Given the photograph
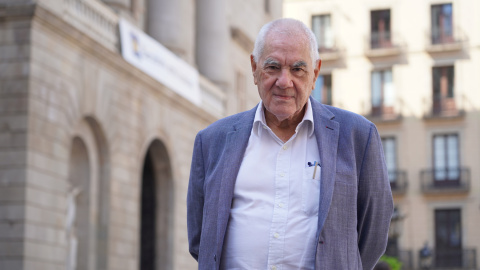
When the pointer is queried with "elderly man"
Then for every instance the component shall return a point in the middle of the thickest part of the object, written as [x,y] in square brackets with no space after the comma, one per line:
[292,183]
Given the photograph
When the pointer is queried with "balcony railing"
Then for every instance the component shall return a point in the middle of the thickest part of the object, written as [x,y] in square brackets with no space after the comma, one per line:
[381,40]
[383,43]
[443,107]
[398,181]
[383,113]
[450,259]
[445,180]
[443,40]
[330,51]
[406,258]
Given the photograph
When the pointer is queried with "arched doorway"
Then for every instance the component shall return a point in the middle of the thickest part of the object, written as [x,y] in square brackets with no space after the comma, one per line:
[155,209]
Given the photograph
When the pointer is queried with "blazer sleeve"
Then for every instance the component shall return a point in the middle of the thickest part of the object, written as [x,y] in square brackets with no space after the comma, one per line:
[375,203]
[195,198]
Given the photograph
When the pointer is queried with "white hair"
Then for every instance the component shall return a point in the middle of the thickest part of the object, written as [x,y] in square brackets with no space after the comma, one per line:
[291,24]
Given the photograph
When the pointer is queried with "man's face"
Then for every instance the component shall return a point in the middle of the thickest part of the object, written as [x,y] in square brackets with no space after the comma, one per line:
[285,75]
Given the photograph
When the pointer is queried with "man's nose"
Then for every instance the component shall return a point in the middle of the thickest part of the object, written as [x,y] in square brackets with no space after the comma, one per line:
[284,80]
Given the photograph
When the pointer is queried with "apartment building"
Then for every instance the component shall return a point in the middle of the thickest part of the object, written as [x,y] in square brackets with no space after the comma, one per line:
[412,68]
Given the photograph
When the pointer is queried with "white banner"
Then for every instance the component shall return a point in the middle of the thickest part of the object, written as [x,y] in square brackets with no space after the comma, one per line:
[153,58]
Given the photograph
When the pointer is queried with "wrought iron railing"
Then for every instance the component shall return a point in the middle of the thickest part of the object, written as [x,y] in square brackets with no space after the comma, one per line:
[444,107]
[446,36]
[465,259]
[406,258]
[330,51]
[383,112]
[383,43]
[398,181]
[445,179]
[380,40]
[446,39]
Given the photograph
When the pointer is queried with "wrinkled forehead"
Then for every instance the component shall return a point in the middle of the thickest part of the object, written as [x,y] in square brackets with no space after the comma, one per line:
[286,44]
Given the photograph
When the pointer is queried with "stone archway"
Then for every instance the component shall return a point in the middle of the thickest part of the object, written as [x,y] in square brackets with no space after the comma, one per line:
[101,196]
[156,208]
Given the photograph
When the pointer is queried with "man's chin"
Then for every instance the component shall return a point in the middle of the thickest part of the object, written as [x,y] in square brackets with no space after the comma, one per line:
[282,115]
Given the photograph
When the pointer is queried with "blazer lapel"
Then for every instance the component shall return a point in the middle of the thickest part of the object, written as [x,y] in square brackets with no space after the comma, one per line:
[327,133]
[236,144]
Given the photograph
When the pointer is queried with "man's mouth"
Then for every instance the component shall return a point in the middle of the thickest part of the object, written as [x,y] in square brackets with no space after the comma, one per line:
[284,97]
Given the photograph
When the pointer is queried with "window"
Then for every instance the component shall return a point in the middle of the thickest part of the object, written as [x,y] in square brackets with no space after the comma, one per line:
[266,6]
[323,89]
[390,150]
[446,159]
[442,24]
[380,29]
[321,27]
[448,238]
[443,91]
[383,94]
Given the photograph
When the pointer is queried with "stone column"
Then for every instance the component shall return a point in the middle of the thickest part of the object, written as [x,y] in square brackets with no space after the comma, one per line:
[171,22]
[212,37]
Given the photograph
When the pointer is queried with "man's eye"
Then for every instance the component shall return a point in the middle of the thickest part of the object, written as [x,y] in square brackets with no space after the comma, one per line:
[272,67]
[297,69]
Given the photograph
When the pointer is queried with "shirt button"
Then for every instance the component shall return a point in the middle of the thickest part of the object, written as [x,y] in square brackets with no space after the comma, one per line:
[273,267]
[285,147]
[282,174]
[280,205]
[276,235]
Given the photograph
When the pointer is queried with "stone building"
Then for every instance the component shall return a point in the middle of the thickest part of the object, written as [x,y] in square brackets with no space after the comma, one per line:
[412,68]
[95,150]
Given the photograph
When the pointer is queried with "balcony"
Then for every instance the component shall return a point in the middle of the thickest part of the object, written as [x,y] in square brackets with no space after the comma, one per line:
[383,44]
[461,259]
[330,51]
[442,40]
[445,180]
[398,182]
[444,107]
[383,113]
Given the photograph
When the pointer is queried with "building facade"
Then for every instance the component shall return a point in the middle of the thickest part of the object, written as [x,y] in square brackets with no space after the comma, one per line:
[95,152]
[412,67]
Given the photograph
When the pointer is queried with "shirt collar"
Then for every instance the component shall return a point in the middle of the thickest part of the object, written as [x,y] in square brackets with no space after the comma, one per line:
[260,123]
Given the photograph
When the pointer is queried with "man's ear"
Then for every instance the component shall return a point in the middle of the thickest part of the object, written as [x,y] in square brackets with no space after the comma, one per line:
[316,71]
[254,69]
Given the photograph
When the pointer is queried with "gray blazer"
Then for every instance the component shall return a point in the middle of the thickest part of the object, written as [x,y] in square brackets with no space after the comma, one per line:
[355,203]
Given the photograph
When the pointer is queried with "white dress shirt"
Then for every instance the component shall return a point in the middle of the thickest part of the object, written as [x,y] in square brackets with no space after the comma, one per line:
[274,214]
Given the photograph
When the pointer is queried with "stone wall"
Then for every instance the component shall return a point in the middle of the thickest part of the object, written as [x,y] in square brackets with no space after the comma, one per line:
[15,54]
